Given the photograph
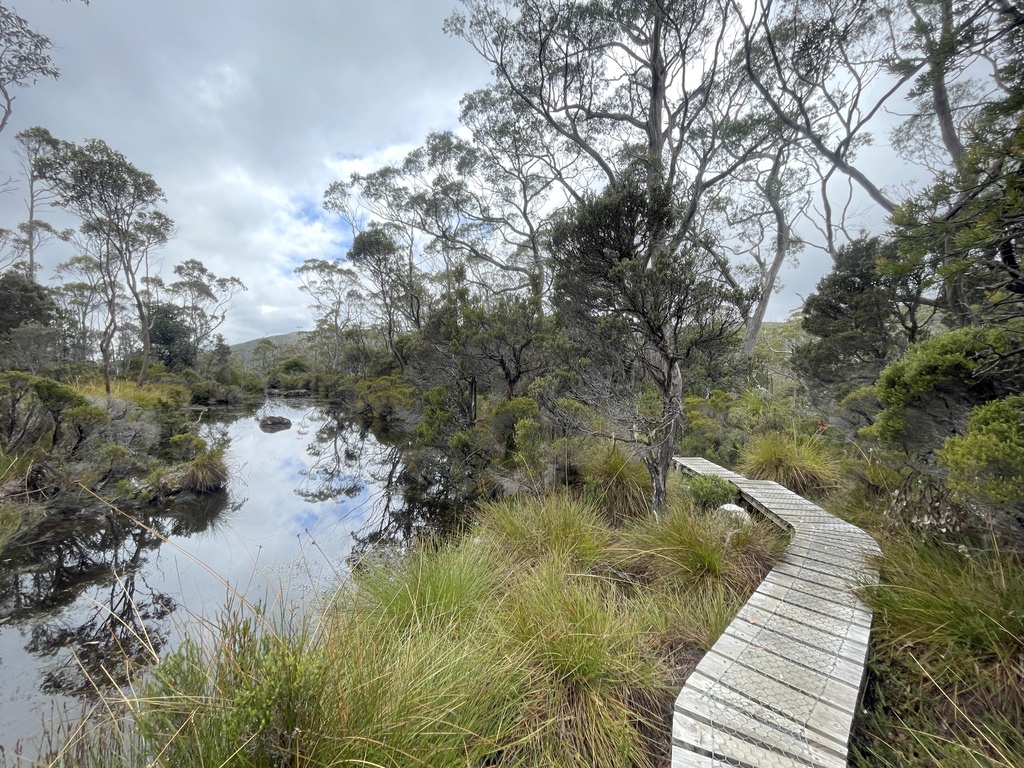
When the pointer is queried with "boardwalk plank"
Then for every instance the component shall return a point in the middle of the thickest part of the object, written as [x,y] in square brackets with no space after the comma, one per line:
[779,688]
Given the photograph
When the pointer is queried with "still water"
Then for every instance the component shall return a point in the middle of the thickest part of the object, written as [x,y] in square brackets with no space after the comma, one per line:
[95,587]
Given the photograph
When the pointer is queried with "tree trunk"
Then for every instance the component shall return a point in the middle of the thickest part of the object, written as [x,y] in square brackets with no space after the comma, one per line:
[661,448]
[782,241]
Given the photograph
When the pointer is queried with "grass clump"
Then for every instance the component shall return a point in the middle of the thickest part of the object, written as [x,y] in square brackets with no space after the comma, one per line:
[693,552]
[206,472]
[806,464]
[596,687]
[946,682]
[558,525]
[523,643]
[446,588]
[618,482]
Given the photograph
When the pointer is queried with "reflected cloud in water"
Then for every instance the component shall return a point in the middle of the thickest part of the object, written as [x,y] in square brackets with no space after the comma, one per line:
[98,594]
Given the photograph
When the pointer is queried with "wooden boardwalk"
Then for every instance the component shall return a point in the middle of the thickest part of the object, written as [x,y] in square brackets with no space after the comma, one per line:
[780,686]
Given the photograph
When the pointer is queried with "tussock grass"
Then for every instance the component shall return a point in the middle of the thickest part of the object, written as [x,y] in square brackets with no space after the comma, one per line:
[444,589]
[558,525]
[597,685]
[527,642]
[150,396]
[946,671]
[805,464]
[618,482]
[206,472]
[696,551]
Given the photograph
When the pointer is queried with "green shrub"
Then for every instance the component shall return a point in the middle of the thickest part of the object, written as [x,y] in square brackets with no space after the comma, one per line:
[507,414]
[710,492]
[708,433]
[947,363]
[987,461]
[381,397]
[805,464]
[186,446]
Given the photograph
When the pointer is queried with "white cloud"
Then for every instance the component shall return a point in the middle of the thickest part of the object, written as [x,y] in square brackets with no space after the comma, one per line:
[244,111]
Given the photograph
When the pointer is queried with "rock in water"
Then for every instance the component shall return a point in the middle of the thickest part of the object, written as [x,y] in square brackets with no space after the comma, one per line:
[274,423]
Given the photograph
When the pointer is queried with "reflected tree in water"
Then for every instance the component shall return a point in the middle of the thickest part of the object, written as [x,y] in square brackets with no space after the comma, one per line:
[100,556]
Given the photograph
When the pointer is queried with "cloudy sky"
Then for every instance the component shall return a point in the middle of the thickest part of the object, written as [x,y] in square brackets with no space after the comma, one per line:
[244,111]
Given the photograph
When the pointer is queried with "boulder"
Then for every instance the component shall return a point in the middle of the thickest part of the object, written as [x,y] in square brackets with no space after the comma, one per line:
[734,513]
[275,423]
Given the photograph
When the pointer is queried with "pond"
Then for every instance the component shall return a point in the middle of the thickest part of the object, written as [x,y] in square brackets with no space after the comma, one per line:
[92,588]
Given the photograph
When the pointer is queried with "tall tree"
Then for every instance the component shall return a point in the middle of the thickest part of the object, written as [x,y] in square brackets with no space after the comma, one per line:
[335,298]
[828,69]
[658,316]
[24,60]
[203,298]
[117,204]
[33,145]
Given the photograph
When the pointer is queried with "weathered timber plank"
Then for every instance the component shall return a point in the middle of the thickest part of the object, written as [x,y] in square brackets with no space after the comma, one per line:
[779,688]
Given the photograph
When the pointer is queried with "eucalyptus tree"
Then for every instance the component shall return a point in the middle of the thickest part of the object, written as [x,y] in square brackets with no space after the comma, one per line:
[334,293]
[24,60]
[34,144]
[620,81]
[118,207]
[395,289]
[831,69]
[651,322]
[95,297]
[79,292]
[204,299]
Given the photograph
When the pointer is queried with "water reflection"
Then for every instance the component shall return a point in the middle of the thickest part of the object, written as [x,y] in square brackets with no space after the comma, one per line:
[96,593]
[101,554]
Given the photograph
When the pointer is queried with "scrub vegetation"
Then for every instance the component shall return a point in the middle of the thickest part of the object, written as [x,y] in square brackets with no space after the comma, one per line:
[546,634]
[539,310]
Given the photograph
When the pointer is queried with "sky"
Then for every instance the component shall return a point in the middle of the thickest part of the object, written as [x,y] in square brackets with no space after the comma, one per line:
[244,111]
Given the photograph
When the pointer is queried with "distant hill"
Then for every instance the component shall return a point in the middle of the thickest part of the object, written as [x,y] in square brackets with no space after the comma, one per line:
[243,351]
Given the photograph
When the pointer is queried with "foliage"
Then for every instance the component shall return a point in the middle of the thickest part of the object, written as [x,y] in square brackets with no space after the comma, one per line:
[171,337]
[382,397]
[707,429]
[639,302]
[710,492]
[928,393]
[22,300]
[987,461]
[25,59]
[617,482]
[806,464]
[852,317]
